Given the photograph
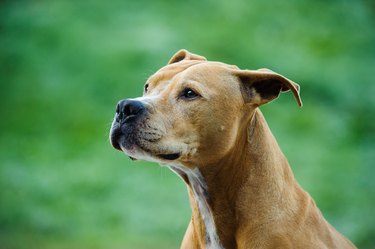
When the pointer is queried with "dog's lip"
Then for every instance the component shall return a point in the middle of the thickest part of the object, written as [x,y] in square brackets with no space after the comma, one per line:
[114,135]
[170,157]
[117,142]
[115,145]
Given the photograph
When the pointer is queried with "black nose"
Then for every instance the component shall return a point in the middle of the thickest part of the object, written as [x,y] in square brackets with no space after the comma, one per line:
[129,108]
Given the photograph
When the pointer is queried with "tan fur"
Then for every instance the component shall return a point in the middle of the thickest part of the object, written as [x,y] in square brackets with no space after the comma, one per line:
[253,196]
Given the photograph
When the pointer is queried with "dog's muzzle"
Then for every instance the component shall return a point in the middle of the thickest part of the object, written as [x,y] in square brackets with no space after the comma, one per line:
[128,113]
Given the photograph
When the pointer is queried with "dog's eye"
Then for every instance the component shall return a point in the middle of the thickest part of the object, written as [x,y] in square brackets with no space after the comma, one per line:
[188,93]
[146,88]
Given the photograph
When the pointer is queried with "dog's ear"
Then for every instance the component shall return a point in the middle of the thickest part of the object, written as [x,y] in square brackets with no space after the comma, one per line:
[262,86]
[183,54]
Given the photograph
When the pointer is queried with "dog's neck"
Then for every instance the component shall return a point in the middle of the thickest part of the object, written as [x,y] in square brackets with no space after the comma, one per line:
[224,193]
[202,211]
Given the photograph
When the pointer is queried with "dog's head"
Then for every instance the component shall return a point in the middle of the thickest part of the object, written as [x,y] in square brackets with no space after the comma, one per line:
[192,109]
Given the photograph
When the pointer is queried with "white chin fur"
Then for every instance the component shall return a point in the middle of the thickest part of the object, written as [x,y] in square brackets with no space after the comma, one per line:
[139,154]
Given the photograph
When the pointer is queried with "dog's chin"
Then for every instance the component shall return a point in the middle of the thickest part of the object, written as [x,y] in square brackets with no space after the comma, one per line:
[148,153]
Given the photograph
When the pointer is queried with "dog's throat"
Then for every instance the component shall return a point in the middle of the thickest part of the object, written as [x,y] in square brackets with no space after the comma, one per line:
[200,192]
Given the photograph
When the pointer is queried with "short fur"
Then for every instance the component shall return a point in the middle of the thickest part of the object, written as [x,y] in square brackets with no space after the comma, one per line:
[242,183]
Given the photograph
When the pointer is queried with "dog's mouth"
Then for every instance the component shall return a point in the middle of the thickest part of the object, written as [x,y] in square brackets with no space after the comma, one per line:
[138,147]
[137,150]
[169,157]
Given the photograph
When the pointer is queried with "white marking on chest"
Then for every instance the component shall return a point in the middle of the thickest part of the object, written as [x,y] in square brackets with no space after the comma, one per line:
[199,188]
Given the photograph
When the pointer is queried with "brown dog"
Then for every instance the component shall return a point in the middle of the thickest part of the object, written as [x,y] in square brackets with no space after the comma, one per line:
[201,119]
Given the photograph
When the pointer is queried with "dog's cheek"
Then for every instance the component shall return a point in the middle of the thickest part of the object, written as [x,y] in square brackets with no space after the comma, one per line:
[217,136]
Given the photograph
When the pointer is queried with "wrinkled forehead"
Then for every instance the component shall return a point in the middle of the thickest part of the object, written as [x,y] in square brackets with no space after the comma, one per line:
[170,71]
[204,72]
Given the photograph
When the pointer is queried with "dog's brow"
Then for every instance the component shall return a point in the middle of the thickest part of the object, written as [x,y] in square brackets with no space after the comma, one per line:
[170,72]
[156,78]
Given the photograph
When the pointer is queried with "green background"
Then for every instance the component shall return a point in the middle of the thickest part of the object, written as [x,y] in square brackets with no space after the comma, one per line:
[65,64]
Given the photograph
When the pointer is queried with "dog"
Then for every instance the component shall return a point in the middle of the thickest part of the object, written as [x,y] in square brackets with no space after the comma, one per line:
[202,120]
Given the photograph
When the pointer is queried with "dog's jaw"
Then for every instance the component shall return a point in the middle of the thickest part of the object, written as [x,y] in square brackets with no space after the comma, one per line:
[136,153]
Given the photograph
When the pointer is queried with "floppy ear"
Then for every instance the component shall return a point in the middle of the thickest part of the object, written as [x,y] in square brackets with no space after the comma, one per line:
[262,86]
[183,54]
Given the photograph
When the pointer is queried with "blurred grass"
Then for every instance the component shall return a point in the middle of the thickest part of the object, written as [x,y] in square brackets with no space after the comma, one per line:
[64,65]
